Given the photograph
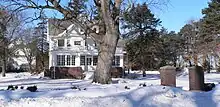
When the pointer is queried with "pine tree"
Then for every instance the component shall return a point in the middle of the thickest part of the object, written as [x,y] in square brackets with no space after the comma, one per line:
[210,25]
[144,41]
[172,47]
[211,19]
[139,21]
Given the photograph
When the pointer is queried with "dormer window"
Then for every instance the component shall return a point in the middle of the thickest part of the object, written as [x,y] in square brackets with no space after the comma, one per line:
[60,42]
[77,42]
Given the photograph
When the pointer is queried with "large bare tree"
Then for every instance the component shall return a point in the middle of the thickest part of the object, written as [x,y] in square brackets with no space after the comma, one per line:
[108,12]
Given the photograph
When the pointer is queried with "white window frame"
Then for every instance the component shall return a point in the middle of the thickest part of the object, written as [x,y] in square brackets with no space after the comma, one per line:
[60,60]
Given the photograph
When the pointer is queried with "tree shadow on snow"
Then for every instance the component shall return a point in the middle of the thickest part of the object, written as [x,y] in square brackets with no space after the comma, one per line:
[167,97]
[204,99]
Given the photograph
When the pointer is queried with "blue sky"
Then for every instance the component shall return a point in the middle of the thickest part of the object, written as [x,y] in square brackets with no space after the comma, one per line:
[179,12]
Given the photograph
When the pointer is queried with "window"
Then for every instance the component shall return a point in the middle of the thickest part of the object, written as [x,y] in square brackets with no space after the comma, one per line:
[60,60]
[95,60]
[116,61]
[61,42]
[68,60]
[89,61]
[77,42]
[68,43]
[73,60]
[82,60]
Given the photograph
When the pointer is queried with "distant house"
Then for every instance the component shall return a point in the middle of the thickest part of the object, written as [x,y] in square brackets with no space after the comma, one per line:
[19,60]
[68,47]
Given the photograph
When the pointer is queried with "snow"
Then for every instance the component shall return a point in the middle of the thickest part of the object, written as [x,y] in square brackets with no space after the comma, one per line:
[58,93]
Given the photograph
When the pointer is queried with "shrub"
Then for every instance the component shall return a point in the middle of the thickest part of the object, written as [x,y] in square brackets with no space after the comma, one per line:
[16,87]
[21,87]
[32,88]
[10,87]
[209,86]
[126,87]
[74,87]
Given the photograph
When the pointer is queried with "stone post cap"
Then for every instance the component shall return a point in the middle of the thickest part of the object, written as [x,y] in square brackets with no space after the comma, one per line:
[168,67]
[195,67]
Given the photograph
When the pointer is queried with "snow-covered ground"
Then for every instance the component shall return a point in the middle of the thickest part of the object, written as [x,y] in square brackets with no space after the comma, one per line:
[58,93]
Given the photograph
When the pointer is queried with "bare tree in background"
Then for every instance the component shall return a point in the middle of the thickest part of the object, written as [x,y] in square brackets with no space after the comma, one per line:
[104,13]
[28,46]
[10,24]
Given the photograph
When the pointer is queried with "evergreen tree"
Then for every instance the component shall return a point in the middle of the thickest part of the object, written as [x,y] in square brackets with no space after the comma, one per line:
[139,21]
[210,24]
[172,48]
[211,19]
[143,45]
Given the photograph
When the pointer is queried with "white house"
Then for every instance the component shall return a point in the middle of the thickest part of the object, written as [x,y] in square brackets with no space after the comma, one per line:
[19,57]
[68,47]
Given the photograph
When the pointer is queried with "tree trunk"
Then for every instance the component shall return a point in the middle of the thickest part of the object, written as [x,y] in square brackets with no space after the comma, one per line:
[106,53]
[190,63]
[4,62]
[109,40]
[3,68]
[144,73]
[209,64]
